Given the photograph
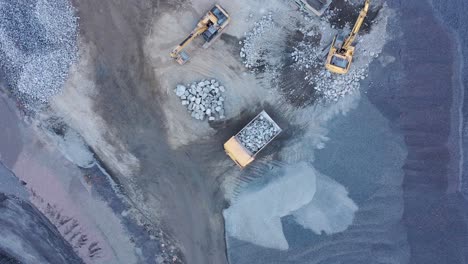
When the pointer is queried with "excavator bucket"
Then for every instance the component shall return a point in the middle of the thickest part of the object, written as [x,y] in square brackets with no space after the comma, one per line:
[183,57]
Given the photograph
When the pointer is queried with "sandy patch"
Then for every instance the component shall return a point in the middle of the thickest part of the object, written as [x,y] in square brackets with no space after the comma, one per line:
[75,104]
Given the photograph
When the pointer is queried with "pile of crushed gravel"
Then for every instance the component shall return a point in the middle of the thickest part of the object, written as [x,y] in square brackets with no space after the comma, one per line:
[37,47]
[203,99]
[253,47]
[263,45]
[309,58]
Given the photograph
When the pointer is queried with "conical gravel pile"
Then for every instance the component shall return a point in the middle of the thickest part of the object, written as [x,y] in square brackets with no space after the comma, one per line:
[37,48]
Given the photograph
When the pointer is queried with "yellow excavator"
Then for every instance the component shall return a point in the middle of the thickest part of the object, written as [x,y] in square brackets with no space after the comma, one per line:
[341,51]
[210,27]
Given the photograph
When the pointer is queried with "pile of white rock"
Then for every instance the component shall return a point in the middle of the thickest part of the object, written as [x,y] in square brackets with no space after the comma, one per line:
[38,45]
[257,134]
[203,99]
[255,46]
[333,86]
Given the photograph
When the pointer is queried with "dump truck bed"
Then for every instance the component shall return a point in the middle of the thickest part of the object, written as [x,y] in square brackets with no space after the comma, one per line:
[251,139]
[317,7]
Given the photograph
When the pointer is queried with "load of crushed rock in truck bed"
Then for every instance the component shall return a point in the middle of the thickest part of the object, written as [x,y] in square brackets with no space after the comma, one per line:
[203,99]
[257,134]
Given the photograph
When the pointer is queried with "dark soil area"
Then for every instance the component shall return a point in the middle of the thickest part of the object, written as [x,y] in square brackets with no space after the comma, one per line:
[297,92]
[40,240]
[343,12]
[419,104]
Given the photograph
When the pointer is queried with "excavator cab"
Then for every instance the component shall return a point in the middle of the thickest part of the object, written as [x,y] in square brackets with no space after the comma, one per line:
[341,63]
[339,59]
[219,20]
[209,26]
[341,51]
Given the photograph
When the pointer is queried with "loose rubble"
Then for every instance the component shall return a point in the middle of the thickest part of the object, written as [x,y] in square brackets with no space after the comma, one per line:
[253,47]
[203,99]
[306,55]
[37,47]
[262,46]
[257,134]
[333,86]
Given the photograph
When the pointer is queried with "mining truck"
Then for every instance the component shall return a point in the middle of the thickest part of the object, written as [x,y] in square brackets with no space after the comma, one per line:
[251,139]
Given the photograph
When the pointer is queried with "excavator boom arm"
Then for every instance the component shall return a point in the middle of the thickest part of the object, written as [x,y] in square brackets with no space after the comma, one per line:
[189,39]
[357,26]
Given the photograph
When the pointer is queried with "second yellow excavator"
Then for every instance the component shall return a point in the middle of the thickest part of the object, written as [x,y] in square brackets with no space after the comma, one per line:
[341,51]
[210,26]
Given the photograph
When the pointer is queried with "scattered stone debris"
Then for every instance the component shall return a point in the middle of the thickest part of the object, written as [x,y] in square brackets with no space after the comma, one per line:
[309,57]
[257,134]
[306,56]
[203,99]
[262,47]
[334,86]
[169,253]
[252,51]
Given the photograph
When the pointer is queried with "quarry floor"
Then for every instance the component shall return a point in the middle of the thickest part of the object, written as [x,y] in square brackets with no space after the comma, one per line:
[172,169]
[119,97]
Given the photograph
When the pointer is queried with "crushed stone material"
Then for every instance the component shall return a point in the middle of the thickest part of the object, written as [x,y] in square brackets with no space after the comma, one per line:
[37,47]
[257,134]
[203,99]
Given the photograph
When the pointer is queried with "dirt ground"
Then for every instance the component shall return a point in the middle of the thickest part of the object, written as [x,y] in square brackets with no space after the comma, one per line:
[119,97]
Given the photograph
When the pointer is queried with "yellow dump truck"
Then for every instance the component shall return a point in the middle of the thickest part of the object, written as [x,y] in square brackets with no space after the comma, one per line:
[245,145]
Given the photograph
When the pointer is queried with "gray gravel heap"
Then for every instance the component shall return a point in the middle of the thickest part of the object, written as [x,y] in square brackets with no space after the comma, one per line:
[37,48]
[203,99]
[257,134]
[255,45]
